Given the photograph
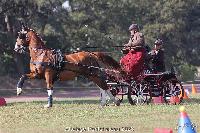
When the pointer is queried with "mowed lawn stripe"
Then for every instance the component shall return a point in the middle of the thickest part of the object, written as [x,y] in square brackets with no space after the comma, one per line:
[84,113]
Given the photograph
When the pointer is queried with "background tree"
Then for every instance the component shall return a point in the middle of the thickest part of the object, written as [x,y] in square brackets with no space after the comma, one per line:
[102,24]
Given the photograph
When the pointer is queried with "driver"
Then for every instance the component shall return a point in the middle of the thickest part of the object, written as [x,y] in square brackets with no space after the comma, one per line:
[133,61]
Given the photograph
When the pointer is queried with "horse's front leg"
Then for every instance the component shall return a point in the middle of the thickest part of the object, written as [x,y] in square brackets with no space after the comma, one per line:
[49,82]
[21,81]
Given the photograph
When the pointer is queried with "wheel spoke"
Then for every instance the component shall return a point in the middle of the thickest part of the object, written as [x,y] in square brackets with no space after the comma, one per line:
[142,99]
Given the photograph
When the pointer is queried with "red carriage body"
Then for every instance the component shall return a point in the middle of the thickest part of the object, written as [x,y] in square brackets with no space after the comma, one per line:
[133,62]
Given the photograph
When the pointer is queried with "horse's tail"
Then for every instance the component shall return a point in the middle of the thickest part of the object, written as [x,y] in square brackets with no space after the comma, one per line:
[107,60]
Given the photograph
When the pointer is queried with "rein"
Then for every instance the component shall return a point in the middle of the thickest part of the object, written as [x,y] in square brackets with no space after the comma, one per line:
[115,46]
[40,63]
[72,63]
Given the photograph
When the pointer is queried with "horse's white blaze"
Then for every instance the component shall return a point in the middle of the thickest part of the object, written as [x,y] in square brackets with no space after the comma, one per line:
[19,91]
[17,47]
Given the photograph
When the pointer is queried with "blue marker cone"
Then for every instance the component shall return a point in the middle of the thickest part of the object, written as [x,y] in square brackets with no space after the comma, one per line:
[185,125]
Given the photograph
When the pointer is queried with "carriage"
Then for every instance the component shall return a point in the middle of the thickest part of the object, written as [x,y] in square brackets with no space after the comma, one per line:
[147,85]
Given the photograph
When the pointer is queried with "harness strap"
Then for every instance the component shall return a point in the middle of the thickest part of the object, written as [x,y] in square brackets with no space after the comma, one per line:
[40,63]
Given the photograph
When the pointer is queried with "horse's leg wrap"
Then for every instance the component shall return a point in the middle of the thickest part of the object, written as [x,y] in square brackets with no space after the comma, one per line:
[116,101]
[50,101]
[50,98]
[21,81]
[102,97]
[20,84]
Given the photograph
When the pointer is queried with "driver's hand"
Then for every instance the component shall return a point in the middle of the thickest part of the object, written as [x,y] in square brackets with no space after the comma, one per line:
[152,53]
[125,50]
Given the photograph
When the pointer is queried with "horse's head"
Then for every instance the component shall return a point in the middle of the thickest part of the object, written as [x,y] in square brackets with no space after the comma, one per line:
[22,41]
[27,38]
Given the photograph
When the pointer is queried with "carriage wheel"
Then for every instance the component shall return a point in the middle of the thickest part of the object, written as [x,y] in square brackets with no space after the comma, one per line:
[172,87]
[139,94]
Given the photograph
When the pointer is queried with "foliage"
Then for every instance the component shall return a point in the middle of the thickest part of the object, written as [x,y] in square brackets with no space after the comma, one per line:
[187,72]
[103,24]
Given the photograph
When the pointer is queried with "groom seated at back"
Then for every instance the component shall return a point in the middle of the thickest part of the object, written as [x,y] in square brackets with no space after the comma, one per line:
[157,57]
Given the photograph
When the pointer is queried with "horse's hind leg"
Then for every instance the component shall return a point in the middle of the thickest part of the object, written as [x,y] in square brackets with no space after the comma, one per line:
[102,97]
[102,84]
[116,101]
[21,81]
[49,82]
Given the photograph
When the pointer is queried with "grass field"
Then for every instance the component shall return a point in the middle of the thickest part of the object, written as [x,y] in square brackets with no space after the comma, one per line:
[85,113]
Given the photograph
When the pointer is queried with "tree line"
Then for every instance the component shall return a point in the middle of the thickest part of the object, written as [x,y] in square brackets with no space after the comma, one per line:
[72,24]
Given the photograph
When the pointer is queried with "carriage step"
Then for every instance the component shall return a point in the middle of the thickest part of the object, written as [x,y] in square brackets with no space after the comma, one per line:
[112,83]
[122,93]
[117,84]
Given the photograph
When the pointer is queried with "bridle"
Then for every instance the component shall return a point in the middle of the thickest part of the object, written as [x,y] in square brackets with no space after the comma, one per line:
[25,39]
[21,48]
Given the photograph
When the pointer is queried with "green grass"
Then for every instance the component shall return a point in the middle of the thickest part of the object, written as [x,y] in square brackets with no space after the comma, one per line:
[83,113]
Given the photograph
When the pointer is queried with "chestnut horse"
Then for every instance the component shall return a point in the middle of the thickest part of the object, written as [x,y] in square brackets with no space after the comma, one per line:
[43,65]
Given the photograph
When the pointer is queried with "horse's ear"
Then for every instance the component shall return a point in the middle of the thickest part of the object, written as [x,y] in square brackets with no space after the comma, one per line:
[24,27]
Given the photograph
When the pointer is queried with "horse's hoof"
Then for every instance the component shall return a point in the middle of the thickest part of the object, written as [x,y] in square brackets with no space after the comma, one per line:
[118,103]
[47,106]
[101,107]
[103,104]
[19,91]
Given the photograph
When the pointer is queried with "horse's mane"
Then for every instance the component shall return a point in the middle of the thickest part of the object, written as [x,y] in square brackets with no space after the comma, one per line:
[36,36]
